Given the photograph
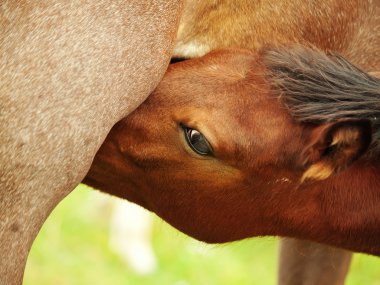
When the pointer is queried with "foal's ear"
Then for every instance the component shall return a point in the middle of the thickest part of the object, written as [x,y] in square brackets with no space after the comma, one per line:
[334,146]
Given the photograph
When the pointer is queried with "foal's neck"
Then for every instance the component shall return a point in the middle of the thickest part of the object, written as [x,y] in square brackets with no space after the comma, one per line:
[349,203]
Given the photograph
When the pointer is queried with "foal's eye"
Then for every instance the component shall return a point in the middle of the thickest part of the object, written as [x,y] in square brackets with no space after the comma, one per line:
[197,141]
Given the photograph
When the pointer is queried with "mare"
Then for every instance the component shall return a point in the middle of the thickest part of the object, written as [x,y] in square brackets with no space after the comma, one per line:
[284,141]
[348,27]
[68,72]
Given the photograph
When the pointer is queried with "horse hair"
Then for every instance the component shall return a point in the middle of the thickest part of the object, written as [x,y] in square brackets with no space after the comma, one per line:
[317,87]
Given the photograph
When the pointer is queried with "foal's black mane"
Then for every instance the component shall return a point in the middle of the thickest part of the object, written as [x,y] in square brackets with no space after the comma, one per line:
[318,87]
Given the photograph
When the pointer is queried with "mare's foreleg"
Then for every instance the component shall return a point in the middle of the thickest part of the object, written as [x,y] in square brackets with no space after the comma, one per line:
[308,263]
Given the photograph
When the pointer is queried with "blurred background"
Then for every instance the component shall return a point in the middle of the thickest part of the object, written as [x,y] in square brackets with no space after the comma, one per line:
[85,242]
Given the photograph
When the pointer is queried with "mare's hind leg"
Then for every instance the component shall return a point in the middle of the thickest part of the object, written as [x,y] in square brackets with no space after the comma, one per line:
[308,263]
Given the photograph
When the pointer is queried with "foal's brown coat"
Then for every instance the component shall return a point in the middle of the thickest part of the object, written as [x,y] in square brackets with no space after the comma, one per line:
[349,27]
[254,182]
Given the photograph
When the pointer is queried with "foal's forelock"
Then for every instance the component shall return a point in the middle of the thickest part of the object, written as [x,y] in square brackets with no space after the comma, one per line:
[318,87]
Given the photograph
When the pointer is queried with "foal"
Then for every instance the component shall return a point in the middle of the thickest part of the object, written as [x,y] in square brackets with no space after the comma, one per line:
[239,144]
[350,27]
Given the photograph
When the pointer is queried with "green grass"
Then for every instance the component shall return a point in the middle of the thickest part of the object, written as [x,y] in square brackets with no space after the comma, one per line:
[72,249]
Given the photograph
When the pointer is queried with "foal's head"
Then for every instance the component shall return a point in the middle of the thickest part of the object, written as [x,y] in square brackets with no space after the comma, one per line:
[231,145]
